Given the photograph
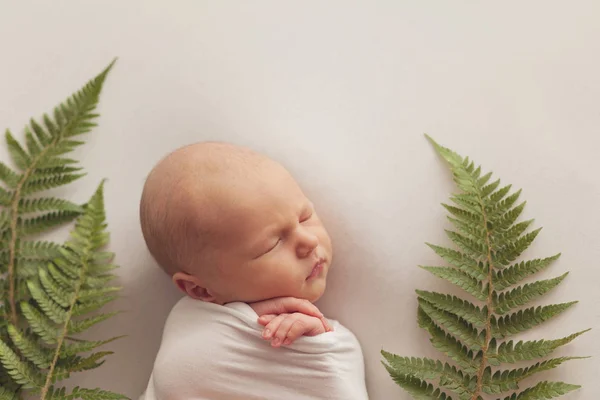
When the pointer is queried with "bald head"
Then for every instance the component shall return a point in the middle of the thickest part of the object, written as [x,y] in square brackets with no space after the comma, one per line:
[181,197]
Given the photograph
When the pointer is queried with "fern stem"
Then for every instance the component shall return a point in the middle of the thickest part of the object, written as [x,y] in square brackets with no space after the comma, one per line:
[12,276]
[490,306]
[64,333]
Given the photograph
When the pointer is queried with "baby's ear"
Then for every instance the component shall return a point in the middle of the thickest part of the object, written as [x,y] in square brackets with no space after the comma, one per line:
[191,286]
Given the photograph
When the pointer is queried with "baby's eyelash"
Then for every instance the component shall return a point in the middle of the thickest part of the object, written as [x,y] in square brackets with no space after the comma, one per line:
[275,245]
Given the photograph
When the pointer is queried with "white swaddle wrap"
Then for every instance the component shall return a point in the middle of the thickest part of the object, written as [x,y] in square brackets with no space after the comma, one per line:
[213,352]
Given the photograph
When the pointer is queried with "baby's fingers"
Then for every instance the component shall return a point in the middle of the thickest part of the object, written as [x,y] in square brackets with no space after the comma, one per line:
[265,319]
[284,335]
[273,326]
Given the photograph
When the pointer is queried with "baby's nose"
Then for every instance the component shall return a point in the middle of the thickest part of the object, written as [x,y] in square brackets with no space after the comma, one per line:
[307,242]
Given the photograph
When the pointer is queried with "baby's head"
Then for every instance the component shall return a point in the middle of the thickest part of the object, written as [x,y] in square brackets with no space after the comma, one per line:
[229,224]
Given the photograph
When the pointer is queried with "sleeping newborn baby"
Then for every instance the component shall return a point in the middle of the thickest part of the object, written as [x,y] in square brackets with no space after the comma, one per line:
[239,237]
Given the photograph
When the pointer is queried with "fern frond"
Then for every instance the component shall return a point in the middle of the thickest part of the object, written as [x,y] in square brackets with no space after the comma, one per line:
[518,272]
[522,295]
[447,344]
[510,235]
[39,355]
[507,219]
[511,250]
[8,176]
[45,222]
[95,394]
[59,294]
[84,346]
[47,183]
[48,204]
[7,394]
[473,248]
[544,390]
[460,279]
[461,261]
[85,324]
[428,369]
[50,308]
[488,239]
[461,329]
[506,380]
[40,324]
[456,306]
[21,372]
[523,320]
[418,388]
[42,250]
[509,352]
[91,305]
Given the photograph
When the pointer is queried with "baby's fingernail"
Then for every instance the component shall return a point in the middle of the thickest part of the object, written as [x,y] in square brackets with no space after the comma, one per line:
[267,333]
[287,341]
[276,342]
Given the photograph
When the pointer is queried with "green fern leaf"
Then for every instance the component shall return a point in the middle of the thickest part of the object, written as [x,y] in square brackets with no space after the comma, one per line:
[499,239]
[27,268]
[100,281]
[7,394]
[489,238]
[52,310]
[496,197]
[511,250]
[464,215]
[89,294]
[502,206]
[65,281]
[47,204]
[460,279]
[5,198]
[67,366]
[47,183]
[507,219]
[21,372]
[469,203]
[508,379]
[418,389]
[473,248]
[54,162]
[92,305]
[427,369]
[85,324]
[473,232]
[544,390]
[84,346]
[458,327]
[523,320]
[41,250]
[456,306]
[59,294]
[460,261]
[95,394]
[447,344]
[522,295]
[509,352]
[40,356]
[45,222]
[518,272]
[8,176]
[18,155]
[40,324]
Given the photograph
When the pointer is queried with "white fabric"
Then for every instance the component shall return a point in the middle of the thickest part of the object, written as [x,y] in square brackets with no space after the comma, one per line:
[216,352]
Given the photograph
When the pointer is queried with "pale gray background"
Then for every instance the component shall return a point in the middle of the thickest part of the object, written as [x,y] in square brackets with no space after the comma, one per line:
[341,92]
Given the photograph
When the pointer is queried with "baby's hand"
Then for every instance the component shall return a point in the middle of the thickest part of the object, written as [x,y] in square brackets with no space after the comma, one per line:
[283,329]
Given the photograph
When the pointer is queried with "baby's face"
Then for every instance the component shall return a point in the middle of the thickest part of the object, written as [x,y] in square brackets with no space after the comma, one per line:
[272,243]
